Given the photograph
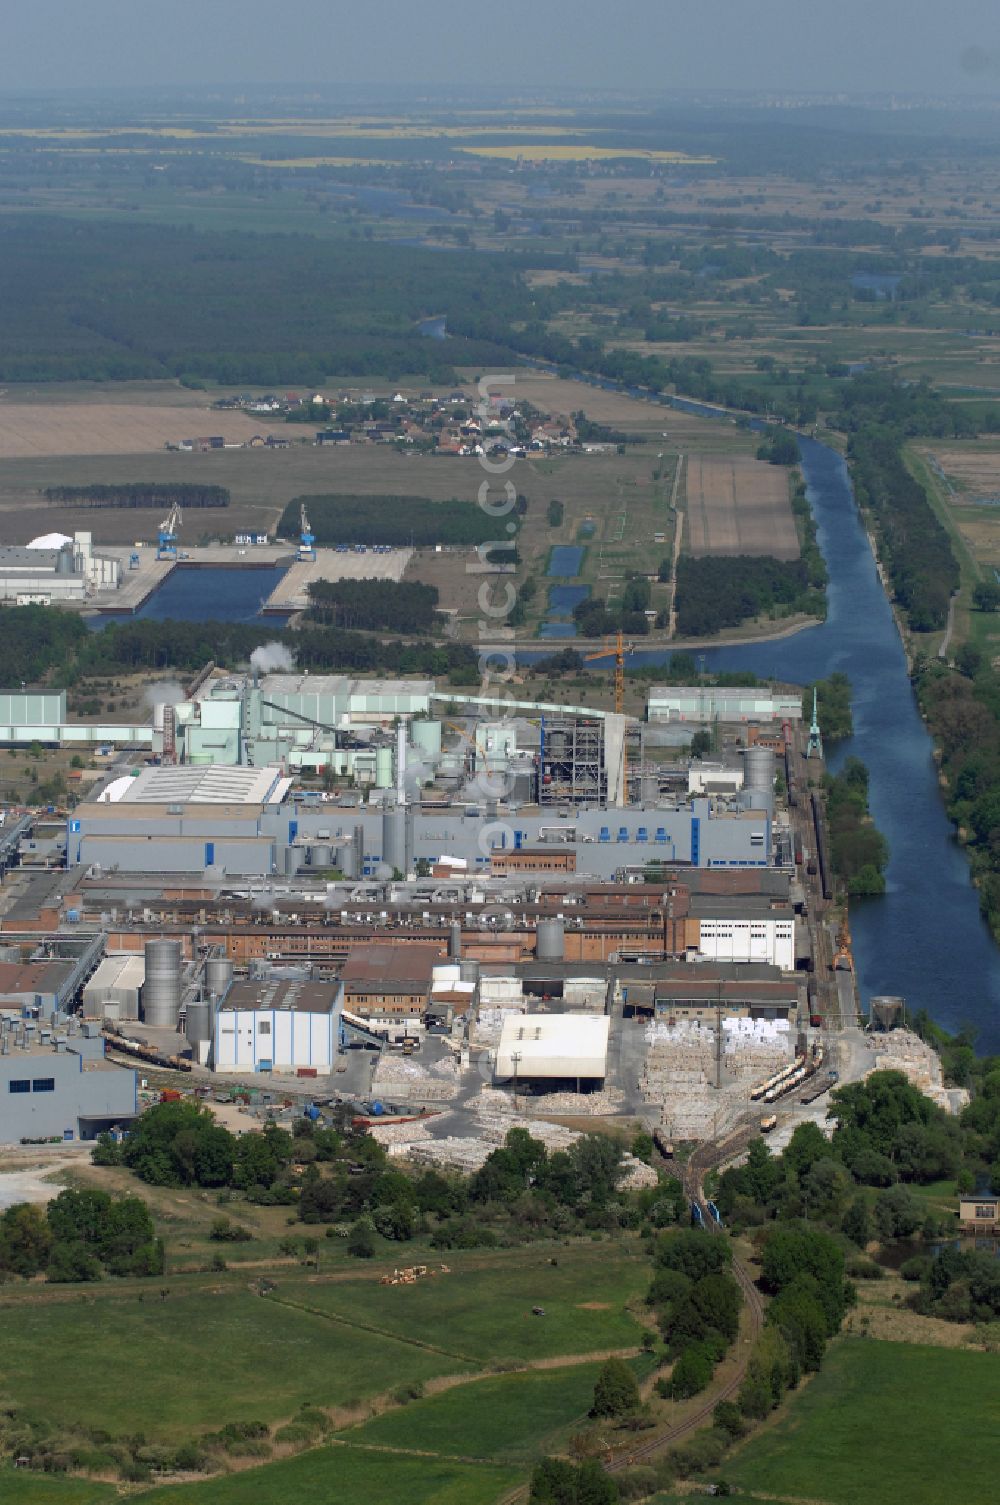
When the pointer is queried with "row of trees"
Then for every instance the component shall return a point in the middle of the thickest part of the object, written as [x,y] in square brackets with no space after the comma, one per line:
[914,546]
[166,494]
[962,710]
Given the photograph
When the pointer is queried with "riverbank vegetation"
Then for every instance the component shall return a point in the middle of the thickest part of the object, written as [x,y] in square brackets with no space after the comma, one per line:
[963,715]
[833,706]
[858,850]
[913,545]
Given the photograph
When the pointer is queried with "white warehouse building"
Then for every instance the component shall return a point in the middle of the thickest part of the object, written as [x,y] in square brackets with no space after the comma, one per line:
[553,1048]
[705,703]
[726,936]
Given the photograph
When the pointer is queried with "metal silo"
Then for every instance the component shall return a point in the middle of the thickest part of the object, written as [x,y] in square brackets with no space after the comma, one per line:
[161,991]
[218,975]
[550,941]
[198,1028]
[394,838]
[759,770]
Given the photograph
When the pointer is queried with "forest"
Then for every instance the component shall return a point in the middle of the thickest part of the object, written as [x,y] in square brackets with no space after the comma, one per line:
[914,546]
[166,494]
[403,521]
[374,605]
[42,642]
[716,593]
[103,301]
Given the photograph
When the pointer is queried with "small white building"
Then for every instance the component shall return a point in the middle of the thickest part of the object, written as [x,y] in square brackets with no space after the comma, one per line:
[714,778]
[554,1048]
[277,1027]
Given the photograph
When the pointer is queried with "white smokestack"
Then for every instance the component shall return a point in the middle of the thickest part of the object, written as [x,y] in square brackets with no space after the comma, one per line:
[401,763]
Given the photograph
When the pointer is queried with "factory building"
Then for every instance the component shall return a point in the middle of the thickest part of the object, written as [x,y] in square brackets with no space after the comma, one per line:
[114,990]
[280,1026]
[55,1085]
[298,721]
[40,716]
[751,992]
[705,703]
[738,930]
[242,821]
[385,983]
[56,570]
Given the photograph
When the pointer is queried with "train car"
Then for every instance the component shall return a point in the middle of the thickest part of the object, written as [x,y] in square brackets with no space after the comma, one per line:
[769,1124]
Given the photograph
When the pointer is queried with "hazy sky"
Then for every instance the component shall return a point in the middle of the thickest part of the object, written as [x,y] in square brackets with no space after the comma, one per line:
[939,46]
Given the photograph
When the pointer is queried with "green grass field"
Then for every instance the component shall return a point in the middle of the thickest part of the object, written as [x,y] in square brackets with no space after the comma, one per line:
[508,1417]
[881,1424]
[190,1364]
[342,1474]
[485,1314]
[19,1487]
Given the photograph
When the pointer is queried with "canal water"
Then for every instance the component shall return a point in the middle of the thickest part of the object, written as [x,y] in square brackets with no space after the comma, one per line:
[924,939]
[201,593]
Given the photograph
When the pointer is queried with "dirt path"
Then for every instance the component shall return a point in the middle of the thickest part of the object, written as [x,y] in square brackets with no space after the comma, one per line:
[678,534]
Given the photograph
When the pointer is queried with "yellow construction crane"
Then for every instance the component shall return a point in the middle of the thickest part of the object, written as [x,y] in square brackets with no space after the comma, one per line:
[619,646]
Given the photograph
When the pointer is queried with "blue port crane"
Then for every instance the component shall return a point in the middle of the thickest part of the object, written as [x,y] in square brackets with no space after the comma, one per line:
[166,543]
[307,539]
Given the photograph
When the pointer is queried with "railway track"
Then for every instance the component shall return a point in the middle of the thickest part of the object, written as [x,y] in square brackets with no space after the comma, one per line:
[702,1160]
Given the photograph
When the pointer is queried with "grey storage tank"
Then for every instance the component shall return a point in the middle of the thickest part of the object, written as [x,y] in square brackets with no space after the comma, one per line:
[455,941]
[550,940]
[161,991]
[394,838]
[218,976]
[758,764]
[198,1027]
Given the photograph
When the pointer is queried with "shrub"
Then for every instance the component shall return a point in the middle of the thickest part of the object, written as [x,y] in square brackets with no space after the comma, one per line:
[361,1240]
[692,1372]
[225,1231]
[617,1390]
[412,1390]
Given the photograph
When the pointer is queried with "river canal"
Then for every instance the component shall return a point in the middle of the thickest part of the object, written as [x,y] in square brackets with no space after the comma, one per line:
[925,938]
